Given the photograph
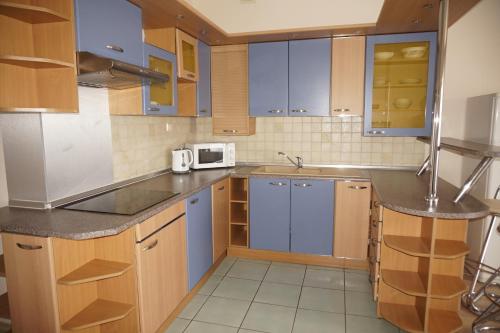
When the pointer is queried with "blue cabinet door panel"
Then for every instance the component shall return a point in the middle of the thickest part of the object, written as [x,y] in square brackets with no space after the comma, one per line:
[156,109]
[103,25]
[268,79]
[270,214]
[203,90]
[309,77]
[199,235]
[312,216]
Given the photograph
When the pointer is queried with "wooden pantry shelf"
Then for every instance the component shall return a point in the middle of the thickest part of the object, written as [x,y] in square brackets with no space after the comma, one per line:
[34,62]
[403,316]
[30,13]
[446,287]
[99,312]
[444,321]
[414,246]
[4,306]
[95,270]
[407,282]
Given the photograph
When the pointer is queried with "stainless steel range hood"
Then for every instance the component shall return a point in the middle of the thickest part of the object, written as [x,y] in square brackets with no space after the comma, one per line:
[101,72]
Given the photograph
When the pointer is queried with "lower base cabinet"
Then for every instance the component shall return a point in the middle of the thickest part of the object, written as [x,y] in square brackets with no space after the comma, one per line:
[199,235]
[162,271]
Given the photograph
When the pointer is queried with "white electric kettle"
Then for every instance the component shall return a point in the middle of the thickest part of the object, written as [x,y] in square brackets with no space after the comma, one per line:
[181,160]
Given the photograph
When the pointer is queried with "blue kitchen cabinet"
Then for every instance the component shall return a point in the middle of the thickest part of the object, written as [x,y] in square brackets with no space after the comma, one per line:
[268,79]
[270,214]
[204,108]
[160,98]
[111,28]
[312,211]
[309,77]
[199,235]
[399,84]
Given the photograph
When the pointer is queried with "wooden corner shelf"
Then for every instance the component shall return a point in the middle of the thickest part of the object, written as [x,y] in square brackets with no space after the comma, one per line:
[4,306]
[239,235]
[34,62]
[99,312]
[403,316]
[408,282]
[414,246]
[446,287]
[450,249]
[238,212]
[444,321]
[2,266]
[31,14]
[94,270]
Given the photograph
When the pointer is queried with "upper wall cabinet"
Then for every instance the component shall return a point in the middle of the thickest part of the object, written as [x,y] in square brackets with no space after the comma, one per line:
[187,56]
[204,91]
[230,91]
[309,77]
[348,76]
[399,86]
[160,98]
[268,79]
[111,28]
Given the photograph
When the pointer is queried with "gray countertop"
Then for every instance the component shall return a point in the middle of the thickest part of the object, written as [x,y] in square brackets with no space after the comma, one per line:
[398,190]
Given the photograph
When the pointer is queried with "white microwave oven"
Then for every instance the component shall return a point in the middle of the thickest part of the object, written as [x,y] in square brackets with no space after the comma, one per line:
[213,155]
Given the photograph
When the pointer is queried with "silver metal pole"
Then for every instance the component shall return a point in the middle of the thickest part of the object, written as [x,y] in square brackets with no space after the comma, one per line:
[432,196]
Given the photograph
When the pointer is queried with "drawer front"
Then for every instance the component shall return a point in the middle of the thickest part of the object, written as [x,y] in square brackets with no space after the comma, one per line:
[154,223]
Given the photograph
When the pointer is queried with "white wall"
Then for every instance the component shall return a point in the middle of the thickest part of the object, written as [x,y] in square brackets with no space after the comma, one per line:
[472,69]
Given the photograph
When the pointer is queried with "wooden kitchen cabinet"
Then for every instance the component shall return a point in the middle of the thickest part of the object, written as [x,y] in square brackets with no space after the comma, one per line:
[162,272]
[348,75]
[220,218]
[352,219]
[311,226]
[199,235]
[187,56]
[230,91]
[30,280]
[204,91]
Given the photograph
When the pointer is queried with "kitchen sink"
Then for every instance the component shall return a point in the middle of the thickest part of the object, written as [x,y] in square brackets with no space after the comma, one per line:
[307,171]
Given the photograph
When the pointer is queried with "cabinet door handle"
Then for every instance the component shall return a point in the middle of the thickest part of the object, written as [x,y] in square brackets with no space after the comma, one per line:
[230,131]
[28,247]
[154,109]
[376,132]
[203,111]
[277,183]
[342,110]
[194,201]
[114,48]
[376,204]
[150,246]
[358,187]
[299,111]
[190,75]
[220,188]
[303,185]
[277,111]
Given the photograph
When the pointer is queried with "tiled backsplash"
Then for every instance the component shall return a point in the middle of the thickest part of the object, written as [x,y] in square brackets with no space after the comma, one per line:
[142,145]
[319,140]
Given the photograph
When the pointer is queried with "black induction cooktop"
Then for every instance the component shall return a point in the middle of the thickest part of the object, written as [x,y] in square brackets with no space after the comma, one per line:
[128,200]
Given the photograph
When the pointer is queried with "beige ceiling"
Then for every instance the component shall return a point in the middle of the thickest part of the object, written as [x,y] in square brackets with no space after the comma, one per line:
[253,16]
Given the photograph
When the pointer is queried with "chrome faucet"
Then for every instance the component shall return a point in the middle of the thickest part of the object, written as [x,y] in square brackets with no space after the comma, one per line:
[298,164]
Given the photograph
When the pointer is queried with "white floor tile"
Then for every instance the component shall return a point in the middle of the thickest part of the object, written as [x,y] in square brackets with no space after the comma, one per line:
[199,327]
[223,311]
[237,288]
[269,318]
[308,321]
[248,270]
[322,299]
[278,294]
[193,307]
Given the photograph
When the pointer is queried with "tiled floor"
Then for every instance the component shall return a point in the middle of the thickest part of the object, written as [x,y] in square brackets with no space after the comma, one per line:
[259,296]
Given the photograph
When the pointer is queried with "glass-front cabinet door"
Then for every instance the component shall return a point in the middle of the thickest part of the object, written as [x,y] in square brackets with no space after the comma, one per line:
[187,56]
[399,85]
[160,98]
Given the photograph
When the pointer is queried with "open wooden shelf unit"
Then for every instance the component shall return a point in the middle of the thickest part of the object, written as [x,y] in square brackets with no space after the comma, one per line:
[238,212]
[421,269]
[96,284]
[37,56]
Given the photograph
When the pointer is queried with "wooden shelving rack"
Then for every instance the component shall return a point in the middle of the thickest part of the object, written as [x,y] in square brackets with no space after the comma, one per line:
[96,284]
[421,269]
[238,212]
[37,56]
